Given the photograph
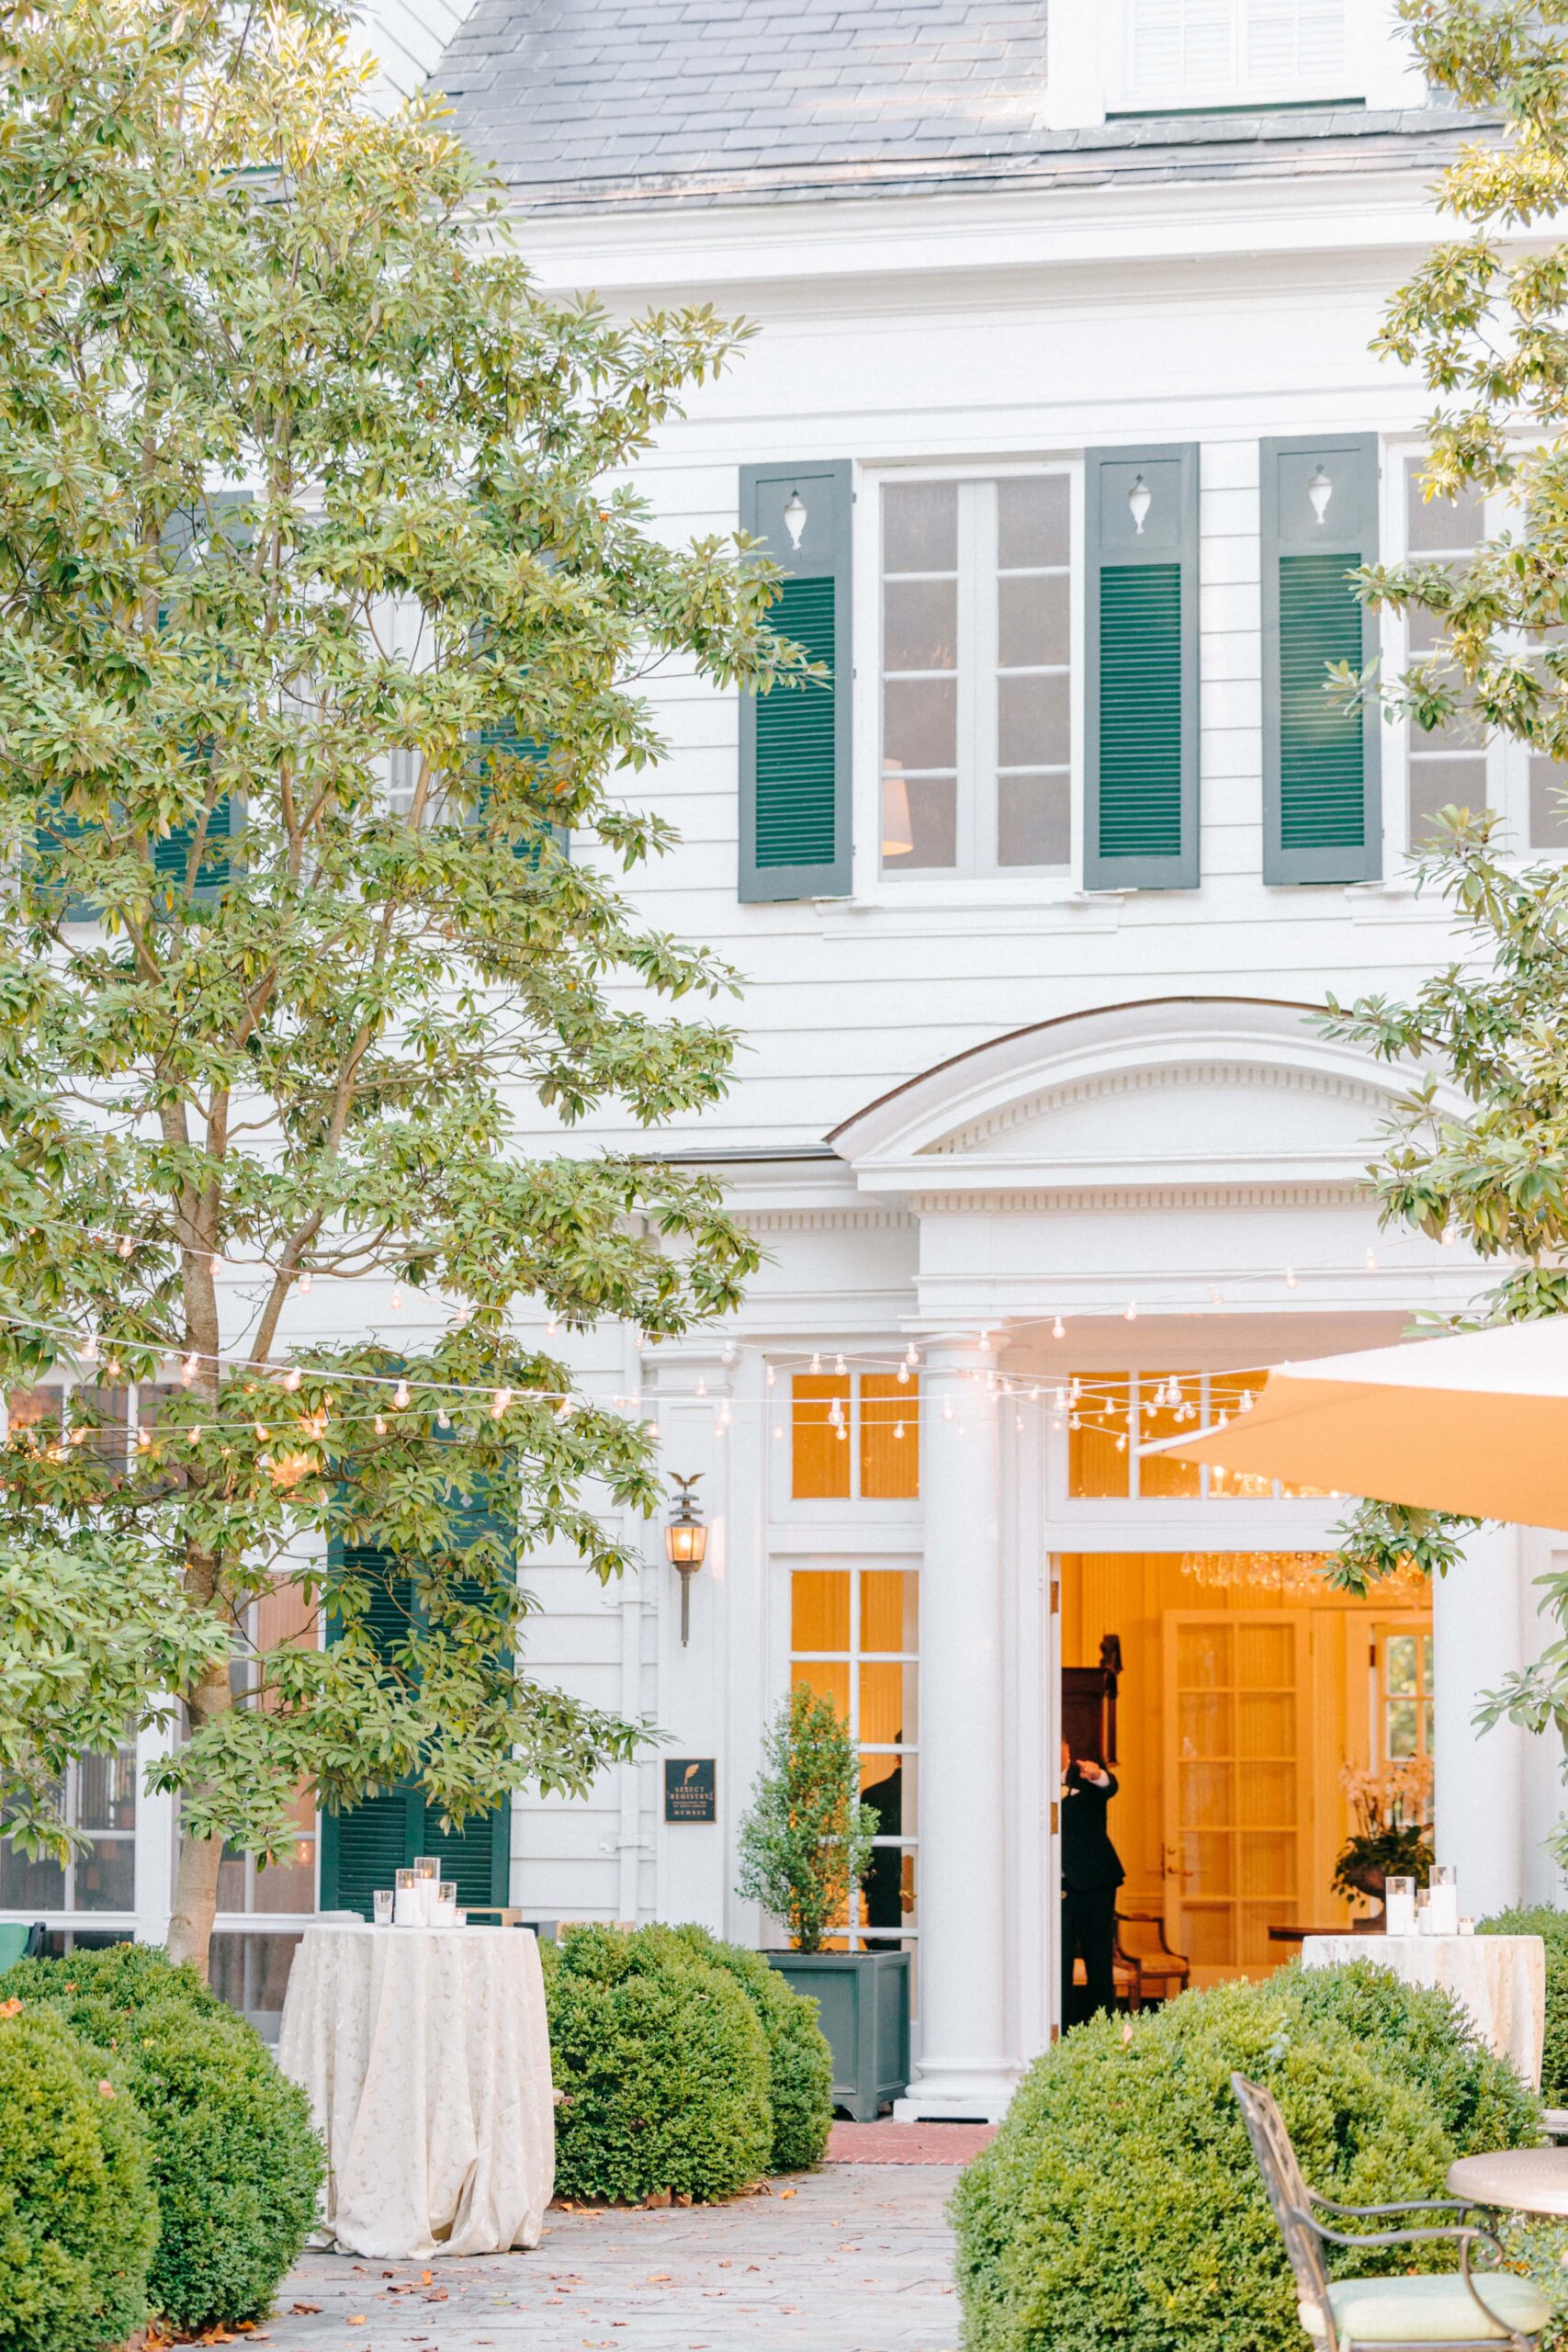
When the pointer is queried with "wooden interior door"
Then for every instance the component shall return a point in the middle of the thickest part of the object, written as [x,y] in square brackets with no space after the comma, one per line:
[1237,1791]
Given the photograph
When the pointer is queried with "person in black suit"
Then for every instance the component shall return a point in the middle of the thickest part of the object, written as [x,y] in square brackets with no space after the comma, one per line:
[1091,1872]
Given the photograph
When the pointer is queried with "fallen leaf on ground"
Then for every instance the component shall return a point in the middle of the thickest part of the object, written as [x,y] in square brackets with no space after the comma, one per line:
[426,2276]
[304,2307]
[356,2319]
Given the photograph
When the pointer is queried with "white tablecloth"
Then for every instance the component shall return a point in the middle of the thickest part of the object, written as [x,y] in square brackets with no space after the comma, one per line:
[1500,1979]
[426,2058]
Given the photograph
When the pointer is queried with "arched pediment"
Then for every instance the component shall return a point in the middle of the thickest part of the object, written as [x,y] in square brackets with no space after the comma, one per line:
[1175,1092]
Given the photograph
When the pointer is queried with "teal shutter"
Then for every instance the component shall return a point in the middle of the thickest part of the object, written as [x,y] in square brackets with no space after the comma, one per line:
[796,740]
[511,746]
[57,829]
[171,856]
[362,1846]
[1141,669]
[1322,806]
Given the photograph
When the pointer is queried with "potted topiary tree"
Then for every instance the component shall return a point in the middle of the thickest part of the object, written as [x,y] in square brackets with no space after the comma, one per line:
[805,1847]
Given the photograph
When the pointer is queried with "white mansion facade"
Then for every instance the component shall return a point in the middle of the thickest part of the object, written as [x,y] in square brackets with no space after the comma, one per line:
[1062,421]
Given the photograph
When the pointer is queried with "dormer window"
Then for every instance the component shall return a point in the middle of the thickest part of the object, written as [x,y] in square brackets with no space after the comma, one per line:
[1180,54]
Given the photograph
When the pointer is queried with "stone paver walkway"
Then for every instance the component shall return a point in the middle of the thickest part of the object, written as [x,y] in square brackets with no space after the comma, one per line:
[854,2258]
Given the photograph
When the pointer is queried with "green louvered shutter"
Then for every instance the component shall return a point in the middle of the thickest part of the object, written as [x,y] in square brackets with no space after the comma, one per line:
[362,1846]
[1141,669]
[796,740]
[55,833]
[171,856]
[1322,805]
[511,746]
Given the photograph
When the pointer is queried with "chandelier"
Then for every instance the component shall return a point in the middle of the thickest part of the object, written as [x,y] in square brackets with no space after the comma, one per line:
[1299,1575]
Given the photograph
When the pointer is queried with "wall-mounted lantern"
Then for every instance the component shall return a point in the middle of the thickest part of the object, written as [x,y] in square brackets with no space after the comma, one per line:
[686,1542]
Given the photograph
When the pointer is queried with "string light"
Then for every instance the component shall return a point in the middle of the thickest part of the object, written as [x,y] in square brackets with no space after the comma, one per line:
[815,1363]
[187,1372]
[397,1301]
[1130,1312]
[500,1403]
[400,1396]
[1058,1330]
[1290,1278]
[304,1285]
[904,1375]
[379,1425]
[839,1366]
[291,1378]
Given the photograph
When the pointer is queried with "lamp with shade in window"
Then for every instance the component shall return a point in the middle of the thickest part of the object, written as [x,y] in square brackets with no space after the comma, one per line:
[898,833]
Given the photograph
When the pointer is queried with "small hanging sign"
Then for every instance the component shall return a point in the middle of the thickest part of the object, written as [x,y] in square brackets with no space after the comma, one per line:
[689,1789]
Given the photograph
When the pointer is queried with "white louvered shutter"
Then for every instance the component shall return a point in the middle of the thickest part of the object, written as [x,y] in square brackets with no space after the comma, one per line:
[1294,40]
[1181,44]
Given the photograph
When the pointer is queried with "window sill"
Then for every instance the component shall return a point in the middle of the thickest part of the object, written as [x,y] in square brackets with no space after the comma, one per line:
[961,900]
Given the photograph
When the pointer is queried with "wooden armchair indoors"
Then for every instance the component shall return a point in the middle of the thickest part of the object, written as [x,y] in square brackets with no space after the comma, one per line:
[1470,2309]
[1158,1972]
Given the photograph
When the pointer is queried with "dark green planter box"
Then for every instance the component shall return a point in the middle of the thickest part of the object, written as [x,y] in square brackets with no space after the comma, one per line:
[863,2004]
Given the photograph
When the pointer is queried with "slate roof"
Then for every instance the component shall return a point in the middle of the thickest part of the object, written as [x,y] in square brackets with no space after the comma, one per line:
[581,103]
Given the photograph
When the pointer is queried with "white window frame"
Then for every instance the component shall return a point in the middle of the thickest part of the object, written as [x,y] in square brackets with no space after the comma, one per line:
[1364,66]
[789,1509]
[1507,759]
[855,1565]
[966,884]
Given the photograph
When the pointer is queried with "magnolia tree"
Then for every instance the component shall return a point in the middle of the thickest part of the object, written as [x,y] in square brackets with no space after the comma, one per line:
[319,640]
[1489,331]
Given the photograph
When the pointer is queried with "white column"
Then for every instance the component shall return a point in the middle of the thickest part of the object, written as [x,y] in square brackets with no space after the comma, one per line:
[965,2067]
[1478,1624]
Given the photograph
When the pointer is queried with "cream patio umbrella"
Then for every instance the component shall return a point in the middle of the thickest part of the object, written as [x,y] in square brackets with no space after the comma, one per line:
[1476,1424]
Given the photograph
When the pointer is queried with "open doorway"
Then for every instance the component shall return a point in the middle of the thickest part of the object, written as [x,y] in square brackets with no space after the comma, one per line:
[1253,1705]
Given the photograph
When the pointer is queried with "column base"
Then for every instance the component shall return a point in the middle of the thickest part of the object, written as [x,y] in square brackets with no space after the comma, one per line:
[958,2095]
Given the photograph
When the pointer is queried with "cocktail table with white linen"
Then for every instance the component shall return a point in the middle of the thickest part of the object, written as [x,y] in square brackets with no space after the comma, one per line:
[425,2055]
[1501,1980]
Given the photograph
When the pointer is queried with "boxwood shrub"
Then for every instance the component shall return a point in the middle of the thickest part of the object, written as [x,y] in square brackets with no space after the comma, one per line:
[236,2164]
[663,2068]
[1552,1927]
[78,2219]
[800,2064]
[1120,2202]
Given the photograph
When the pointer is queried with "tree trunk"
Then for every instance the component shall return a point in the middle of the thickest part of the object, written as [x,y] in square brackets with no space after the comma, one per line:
[195,1874]
[195,1902]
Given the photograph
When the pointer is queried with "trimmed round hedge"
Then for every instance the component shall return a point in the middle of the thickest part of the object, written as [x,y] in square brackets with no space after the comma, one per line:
[800,2064]
[663,2068]
[78,2217]
[1121,2202]
[236,2164]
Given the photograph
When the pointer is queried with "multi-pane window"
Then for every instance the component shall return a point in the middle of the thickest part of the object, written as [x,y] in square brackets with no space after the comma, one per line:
[854,1639]
[99,1800]
[1406,1702]
[855,1436]
[1447,764]
[1451,766]
[1110,1415]
[284,1614]
[977,691]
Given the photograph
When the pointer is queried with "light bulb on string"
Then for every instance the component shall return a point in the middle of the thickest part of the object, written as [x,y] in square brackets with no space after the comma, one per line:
[443,1419]
[1130,1312]
[551,1328]
[1245,1401]
[897,1429]
[778,1430]
[125,1245]
[1058,1330]
[113,1368]
[187,1372]
[396,1302]
[1018,1422]
[379,1425]
[499,1404]
[401,1397]
[1216,1297]
[947,1410]
[772,1376]
[911,1355]
[90,1348]
[305,1285]
[291,1378]
[839,1366]
[1371,1261]
[817,1363]
[904,1375]
[702,1385]
[1290,1278]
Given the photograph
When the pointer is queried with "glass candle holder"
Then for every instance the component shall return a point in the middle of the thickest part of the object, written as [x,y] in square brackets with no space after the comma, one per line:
[383,1899]
[1442,1908]
[1422,1912]
[407,1900]
[1399,1906]
[446,1903]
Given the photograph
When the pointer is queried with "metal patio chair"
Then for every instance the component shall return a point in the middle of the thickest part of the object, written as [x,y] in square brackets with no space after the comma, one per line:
[1467,2311]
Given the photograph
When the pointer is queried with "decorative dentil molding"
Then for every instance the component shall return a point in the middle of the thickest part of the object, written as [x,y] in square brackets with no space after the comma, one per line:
[1265,1077]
